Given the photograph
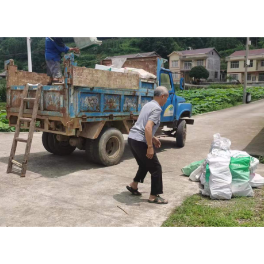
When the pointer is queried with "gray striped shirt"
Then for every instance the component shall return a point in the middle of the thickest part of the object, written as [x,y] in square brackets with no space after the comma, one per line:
[150,111]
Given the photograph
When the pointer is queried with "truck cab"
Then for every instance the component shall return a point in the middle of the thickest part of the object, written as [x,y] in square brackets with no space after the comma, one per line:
[176,112]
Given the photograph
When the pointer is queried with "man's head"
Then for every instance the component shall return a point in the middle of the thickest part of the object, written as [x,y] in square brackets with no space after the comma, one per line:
[161,95]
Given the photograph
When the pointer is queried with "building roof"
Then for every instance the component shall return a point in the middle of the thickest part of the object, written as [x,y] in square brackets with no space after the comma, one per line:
[195,52]
[137,55]
[3,74]
[242,53]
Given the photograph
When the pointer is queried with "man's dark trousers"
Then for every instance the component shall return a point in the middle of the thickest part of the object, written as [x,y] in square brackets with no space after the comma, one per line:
[139,150]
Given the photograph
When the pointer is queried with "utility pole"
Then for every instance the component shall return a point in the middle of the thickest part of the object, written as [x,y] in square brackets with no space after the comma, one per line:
[245,79]
[29,54]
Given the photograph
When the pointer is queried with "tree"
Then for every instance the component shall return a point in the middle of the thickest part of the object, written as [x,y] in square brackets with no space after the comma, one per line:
[261,43]
[226,43]
[194,43]
[38,55]
[163,46]
[199,72]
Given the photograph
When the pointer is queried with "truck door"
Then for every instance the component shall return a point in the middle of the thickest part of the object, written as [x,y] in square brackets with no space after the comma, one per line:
[167,114]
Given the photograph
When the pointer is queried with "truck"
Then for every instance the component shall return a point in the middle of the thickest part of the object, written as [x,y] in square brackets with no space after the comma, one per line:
[92,109]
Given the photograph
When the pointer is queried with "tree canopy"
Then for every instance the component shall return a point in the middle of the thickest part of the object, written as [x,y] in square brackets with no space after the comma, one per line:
[199,72]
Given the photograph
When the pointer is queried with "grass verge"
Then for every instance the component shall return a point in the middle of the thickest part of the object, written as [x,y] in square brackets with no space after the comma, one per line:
[201,211]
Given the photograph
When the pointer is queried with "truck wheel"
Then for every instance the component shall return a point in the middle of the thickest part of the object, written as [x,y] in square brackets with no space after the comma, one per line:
[45,143]
[181,134]
[107,149]
[61,148]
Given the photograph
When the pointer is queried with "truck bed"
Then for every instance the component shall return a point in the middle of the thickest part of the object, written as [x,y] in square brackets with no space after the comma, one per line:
[87,95]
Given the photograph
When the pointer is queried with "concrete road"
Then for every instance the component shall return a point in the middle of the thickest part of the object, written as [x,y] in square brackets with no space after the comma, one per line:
[68,191]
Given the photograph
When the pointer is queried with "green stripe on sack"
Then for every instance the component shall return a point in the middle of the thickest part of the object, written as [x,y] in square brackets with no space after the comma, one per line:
[207,173]
[239,168]
[187,170]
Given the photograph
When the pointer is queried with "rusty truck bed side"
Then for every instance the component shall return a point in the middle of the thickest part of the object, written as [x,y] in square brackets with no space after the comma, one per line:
[87,95]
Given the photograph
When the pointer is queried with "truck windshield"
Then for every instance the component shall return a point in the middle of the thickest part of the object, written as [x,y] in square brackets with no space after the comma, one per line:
[165,80]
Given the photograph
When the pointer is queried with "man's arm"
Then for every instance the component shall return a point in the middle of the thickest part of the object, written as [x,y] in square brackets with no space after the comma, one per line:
[148,136]
[65,49]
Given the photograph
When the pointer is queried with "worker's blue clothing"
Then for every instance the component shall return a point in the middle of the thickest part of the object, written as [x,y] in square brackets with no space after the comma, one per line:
[181,83]
[53,50]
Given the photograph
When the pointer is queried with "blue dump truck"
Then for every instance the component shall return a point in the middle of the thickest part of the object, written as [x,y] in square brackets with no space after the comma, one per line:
[93,108]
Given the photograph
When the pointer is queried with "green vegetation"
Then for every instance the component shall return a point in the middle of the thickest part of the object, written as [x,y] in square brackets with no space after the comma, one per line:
[4,124]
[225,86]
[198,210]
[207,100]
[2,90]
[2,106]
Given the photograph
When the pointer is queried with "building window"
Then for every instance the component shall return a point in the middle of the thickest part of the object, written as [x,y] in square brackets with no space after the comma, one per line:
[234,64]
[261,77]
[216,75]
[200,63]
[253,78]
[187,65]
[175,75]
[249,77]
[250,64]
[175,63]
[234,76]
[262,63]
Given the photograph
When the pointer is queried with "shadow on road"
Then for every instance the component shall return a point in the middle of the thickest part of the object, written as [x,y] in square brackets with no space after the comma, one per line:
[129,199]
[52,166]
[256,146]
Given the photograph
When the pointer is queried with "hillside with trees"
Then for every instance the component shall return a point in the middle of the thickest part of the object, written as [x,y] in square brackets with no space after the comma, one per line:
[16,48]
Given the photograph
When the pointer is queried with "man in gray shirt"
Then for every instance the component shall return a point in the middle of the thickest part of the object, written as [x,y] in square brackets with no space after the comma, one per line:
[141,139]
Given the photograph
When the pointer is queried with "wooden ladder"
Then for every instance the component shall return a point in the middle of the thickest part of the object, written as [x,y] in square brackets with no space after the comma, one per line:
[20,119]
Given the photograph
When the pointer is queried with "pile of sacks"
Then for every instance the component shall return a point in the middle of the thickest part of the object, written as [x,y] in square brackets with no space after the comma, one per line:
[225,172]
[142,73]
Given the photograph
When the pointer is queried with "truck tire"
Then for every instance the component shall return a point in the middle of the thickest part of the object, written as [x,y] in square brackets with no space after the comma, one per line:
[61,148]
[107,149]
[181,134]
[45,143]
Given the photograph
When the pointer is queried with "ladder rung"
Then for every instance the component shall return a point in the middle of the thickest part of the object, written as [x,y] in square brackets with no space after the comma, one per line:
[21,140]
[25,119]
[17,163]
[29,99]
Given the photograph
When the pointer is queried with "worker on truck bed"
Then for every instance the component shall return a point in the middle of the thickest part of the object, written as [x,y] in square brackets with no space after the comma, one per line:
[53,49]
[141,140]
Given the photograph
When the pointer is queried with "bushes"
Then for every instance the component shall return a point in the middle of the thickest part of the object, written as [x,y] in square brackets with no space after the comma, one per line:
[4,125]
[225,86]
[207,100]
[177,87]
[2,92]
